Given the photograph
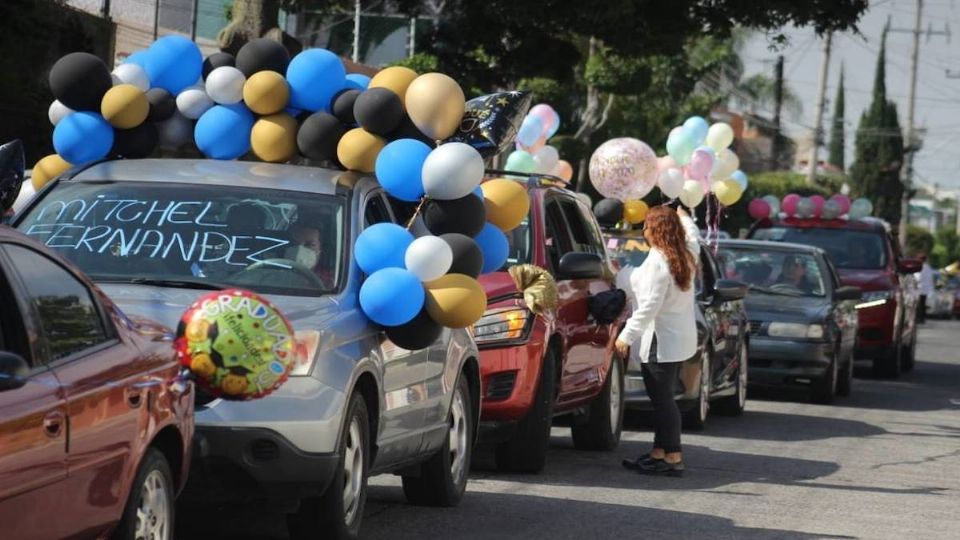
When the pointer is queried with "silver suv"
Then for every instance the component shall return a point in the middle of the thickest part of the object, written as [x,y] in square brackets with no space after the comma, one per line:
[154,234]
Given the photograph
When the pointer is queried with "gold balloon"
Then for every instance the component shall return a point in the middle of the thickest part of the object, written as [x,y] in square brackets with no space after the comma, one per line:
[506,202]
[455,300]
[635,212]
[358,150]
[47,169]
[274,138]
[266,92]
[125,106]
[728,191]
[396,78]
[435,104]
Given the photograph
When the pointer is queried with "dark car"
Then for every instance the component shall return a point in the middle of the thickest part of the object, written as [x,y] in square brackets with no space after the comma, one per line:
[722,333]
[803,321]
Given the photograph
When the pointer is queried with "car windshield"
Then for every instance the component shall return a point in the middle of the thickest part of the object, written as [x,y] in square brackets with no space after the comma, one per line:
[519,241]
[628,250]
[774,271]
[847,248]
[195,236]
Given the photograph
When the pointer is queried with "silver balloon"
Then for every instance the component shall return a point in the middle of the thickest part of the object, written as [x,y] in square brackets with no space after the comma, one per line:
[860,208]
[774,203]
[831,210]
[805,208]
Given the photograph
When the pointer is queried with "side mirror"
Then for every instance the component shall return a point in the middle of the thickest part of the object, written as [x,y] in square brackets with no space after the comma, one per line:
[13,371]
[848,293]
[909,266]
[576,265]
[728,290]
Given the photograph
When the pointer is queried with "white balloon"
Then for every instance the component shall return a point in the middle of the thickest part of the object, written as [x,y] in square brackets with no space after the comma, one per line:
[547,158]
[25,196]
[671,183]
[193,102]
[428,257]
[692,194]
[719,136]
[175,132]
[58,111]
[831,209]
[452,171]
[805,208]
[132,74]
[225,85]
[726,164]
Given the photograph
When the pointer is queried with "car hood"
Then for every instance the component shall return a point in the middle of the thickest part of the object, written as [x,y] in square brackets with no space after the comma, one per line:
[869,280]
[775,307]
[498,286]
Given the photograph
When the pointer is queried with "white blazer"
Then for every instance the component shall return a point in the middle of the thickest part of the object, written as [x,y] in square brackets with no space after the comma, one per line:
[660,307]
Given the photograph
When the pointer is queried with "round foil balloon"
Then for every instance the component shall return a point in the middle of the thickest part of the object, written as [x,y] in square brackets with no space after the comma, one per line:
[236,343]
[623,169]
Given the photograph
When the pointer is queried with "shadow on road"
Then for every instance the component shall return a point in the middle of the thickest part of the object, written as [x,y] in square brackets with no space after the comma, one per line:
[775,426]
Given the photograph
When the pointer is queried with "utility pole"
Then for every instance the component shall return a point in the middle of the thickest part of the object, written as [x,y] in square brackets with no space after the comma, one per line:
[193,21]
[778,99]
[156,19]
[105,9]
[821,99]
[413,37]
[356,31]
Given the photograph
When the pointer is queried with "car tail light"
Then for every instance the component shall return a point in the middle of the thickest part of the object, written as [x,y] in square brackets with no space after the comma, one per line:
[307,343]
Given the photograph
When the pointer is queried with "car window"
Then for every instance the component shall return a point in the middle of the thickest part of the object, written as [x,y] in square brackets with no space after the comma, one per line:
[402,210]
[628,250]
[707,269]
[586,239]
[557,237]
[67,311]
[848,248]
[376,211]
[777,272]
[13,335]
[520,242]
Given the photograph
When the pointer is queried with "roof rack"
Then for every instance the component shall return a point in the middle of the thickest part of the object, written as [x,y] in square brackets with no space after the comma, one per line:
[533,179]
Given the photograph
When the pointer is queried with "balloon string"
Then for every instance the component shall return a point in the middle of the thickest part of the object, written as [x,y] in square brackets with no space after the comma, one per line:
[416,213]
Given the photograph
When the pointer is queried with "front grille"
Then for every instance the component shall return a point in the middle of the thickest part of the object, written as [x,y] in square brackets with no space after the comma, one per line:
[756,328]
[500,386]
[264,450]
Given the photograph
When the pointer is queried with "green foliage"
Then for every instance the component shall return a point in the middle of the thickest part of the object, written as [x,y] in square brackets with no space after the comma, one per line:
[919,240]
[617,74]
[946,249]
[420,62]
[837,140]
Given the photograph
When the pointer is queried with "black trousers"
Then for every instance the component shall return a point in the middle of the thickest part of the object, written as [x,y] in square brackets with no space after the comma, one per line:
[661,381]
[922,309]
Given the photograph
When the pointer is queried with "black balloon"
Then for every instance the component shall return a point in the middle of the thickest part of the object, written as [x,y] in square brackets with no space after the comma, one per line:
[467,257]
[609,212]
[318,136]
[263,55]
[343,104]
[378,110]
[417,334]
[215,60]
[162,104]
[490,122]
[11,172]
[79,81]
[135,143]
[407,130]
[466,215]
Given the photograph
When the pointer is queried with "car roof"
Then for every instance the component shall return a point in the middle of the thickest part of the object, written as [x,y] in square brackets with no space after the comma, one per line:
[865,224]
[772,246]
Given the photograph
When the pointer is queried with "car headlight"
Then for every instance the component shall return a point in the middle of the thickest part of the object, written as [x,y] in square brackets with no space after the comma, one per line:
[795,330]
[307,343]
[502,324]
[874,299]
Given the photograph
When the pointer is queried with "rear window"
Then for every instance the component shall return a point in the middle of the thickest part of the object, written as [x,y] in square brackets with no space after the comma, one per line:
[847,248]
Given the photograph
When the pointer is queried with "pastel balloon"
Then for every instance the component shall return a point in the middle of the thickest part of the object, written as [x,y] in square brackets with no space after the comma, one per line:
[134,74]
[860,209]
[548,116]
[696,128]
[530,131]
[546,158]
[521,161]
[719,136]
[818,202]
[701,162]
[428,257]
[831,209]
[759,209]
[383,245]
[635,212]
[392,296]
[789,205]
[728,191]
[225,85]
[843,201]
[506,202]
[726,163]
[741,178]
[563,170]
[624,169]
[692,194]
[774,203]
[805,208]
[435,104]
[680,146]
[671,183]
[451,171]
[666,162]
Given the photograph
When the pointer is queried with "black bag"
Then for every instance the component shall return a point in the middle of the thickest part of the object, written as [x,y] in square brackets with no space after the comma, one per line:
[607,306]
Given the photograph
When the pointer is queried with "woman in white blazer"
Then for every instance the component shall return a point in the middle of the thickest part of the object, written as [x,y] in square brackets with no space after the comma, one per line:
[662,332]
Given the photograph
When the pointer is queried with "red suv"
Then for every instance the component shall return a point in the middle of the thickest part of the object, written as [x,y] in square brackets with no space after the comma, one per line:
[559,364]
[95,425]
[866,256]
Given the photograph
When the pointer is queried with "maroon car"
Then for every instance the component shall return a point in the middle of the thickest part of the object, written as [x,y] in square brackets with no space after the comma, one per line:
[95,424]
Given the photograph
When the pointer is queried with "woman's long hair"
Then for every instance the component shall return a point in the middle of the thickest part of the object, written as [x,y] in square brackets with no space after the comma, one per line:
[667,235]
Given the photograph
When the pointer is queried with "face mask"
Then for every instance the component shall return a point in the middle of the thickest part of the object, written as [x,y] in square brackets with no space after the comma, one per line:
[302,255]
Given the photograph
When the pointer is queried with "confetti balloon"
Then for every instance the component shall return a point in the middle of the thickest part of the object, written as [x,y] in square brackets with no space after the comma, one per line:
[624,169]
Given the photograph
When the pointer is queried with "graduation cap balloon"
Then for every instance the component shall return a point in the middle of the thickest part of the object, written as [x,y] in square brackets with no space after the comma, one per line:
[490,122]
[11,172]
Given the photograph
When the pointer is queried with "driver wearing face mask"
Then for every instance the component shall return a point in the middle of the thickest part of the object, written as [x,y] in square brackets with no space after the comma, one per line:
[305,249]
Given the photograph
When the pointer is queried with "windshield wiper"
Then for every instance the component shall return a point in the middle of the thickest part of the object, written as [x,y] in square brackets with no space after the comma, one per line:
[180,283]
[767,290]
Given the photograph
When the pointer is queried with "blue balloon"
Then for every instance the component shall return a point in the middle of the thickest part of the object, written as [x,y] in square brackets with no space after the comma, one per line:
[530,131]
[82,137]
[382,246]
[398,168]
[740,178]
[696,128]
[494,246]
[315,76]
[223,132]
[478,192]
[392,296]
[357,81]
[293,112]
[173,63]
[139,58]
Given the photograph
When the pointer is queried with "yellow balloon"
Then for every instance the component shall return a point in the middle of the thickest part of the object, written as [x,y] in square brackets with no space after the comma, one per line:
[358,150]
[47,169]
[728,191]
[124,106]
[719,136]
[506,202]
[435,104]
[692,193]
[455,300]
[274,138]
[635,211]
[396,78]
[266,92]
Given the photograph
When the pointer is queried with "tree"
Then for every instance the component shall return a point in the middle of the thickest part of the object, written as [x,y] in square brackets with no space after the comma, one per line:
[759,91]
[837,142]
[878,153]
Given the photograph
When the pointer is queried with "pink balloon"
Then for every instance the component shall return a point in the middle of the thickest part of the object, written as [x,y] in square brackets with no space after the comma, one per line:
[789,204]
[541,142]
[666,162]
[844,202]
[817,204]
[674,131]
[759,209]
[700,164]
[623,169]
[546,114]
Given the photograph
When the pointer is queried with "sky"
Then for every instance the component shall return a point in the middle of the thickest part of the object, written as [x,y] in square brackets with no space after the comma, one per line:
[937,96]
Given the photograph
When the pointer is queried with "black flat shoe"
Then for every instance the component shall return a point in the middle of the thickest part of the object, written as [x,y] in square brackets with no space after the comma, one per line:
[634,464]
[660,468]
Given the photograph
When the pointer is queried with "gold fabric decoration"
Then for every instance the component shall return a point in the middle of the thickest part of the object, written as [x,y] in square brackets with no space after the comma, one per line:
[538,287]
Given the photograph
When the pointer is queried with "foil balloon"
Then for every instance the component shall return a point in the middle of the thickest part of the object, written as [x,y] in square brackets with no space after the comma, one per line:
[11,173]
[490,122]
[237,345]
[624,169]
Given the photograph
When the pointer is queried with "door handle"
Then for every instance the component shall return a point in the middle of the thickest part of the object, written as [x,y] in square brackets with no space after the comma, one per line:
[53,424]
[133,396]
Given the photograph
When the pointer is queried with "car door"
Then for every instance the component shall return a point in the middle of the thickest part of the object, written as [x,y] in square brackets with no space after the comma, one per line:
[105,383]
[844,312]
[718,316]
[33,428]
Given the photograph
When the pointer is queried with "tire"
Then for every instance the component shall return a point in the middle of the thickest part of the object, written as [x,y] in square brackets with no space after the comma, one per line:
[443,479]
[526,452]
[735,404]
[696,418]
[825,388]
[333,515]
[604,423]
[888,365]
[149,512]
[908,356]
[845,380]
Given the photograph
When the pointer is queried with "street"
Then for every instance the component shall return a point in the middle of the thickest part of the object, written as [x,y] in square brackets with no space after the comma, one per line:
[883,463]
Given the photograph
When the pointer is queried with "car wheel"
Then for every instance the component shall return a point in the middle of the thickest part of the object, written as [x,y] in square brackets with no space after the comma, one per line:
[339,511]
[735,404]
[526,452]
[909,354]
[888,365]
[443,479]
[604,423]
[696,418]
[149,511]
[825,388]
[845,380]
